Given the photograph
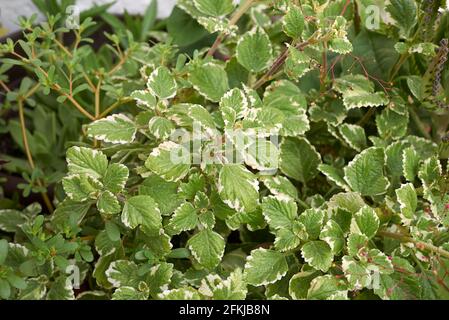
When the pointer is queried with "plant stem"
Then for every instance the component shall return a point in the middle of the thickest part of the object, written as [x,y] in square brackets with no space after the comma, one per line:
[419,244]
[28,153]
[97,99]
[234,19]
[366,117]
[113,106]
[4,86]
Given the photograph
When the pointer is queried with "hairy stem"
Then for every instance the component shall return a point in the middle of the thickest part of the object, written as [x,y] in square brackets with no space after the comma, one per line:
[419,244]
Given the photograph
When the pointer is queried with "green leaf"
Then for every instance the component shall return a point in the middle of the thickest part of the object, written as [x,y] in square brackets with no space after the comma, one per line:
[116,177]
[404,12]
[358,92]
[299,159]
[107,203]
[365,173]
[318,255]
[233,288]
[287,240]
[408,201]
[356,242]
[410,163]
[293,22]
[81,187]
[392,125]
[186,293]
[279,212]
[85,160]
[170,161]
[238,188]
[333,235]
[142,210]
[300,283]
[3,250]
[213,7]
[365,221]
[61,289]
[207,247]
[11,220]
[333,174]
[327,287]
[144,99]
[264,267]
[123,273]
[129,293]
[233,106]
[280,186]
[354,136]
[254,50]
[312,219]
[185,218]
[161,83]
[297,64]
[161,127]
[165,193]
[159,277]
[210,80]
[104,245]
[116,128]
[356,273]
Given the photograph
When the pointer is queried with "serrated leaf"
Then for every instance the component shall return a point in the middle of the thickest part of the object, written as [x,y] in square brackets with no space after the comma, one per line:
[297,64]
[293,22]
[142,210]
[404,12]
[333,174]
[61,289]
[104,245]
[254,50]
[364,173]
[312,219]
[365,221]
[327,287]
[408,201]
[232,288]
[359,92]
[280,186]
[184,218]
[161,127]
[159,278]
[356,242]
[11,220]
[353,135]
[333,235]
[165,193]
[213,7]
[233,106]
[318,255]
[207,247]
[186,293]
[264,267]
[299,159]
[162,84]
[238,188]
[170,161]
[286,240]
[210,80]
[279,212]
[81,187]
[85,160]
[123,273]
[391,125]
[299,284]
[116,128]
[129,293]
[356,273]
[144,98]
[107,203]
[410,163]
[115,177]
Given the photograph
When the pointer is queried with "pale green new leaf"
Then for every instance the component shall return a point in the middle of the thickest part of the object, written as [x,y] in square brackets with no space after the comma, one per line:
[107,203]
